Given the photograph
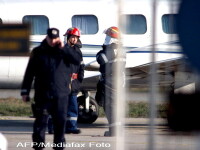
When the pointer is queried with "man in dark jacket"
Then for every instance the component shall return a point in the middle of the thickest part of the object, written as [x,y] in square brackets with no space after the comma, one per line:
[107,58]
[49,67]
[77,74]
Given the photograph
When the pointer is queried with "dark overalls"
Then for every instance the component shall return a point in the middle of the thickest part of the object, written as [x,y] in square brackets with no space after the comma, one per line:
[105,87]
[49,67]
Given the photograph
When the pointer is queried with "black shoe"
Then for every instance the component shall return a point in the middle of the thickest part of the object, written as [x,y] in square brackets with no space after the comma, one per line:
[77,131]
[108,134]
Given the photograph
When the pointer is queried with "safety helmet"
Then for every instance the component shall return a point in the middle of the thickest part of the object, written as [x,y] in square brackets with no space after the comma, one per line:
[112,32]
[73,31]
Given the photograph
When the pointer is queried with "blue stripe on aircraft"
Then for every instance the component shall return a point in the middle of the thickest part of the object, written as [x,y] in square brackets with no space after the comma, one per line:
[169,52]
[132,51]
[158,52]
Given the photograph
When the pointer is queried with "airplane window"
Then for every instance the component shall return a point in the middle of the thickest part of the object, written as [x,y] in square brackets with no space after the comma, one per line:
[39,23]
[169,23]
[135,24]
[88,24]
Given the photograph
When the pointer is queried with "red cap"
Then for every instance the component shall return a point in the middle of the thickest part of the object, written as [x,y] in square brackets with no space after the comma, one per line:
[73,31]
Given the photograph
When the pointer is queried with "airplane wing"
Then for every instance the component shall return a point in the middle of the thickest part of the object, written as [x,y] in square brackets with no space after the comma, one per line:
[92,66]
[140,75]
[165,72]
[172,67]
[90,80]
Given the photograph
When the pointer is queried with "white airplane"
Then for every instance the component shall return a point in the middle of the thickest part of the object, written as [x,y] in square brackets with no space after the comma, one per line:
[92,18]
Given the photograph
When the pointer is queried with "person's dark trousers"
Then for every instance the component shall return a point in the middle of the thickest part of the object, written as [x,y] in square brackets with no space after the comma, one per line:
[72,113]
[58,110]
[109,107]
[50,125]
[59,121]
[72,116]
[39,128]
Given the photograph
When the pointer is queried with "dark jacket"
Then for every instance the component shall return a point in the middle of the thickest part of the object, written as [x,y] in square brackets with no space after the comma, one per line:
[50,69]
[104,58]
[107,60]
[78,69]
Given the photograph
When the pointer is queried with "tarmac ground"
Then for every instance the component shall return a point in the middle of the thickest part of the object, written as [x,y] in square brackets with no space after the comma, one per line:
[18,132]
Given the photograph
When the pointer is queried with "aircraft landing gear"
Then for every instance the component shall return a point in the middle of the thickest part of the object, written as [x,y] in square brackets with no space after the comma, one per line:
[88,109]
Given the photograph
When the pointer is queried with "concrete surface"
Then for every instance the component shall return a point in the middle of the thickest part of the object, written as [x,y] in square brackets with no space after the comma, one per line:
[18,131]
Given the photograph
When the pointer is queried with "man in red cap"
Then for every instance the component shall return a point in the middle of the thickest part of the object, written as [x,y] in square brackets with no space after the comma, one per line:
[72,38]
